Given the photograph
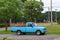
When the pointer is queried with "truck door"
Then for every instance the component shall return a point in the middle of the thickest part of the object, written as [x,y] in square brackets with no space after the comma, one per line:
[29,28]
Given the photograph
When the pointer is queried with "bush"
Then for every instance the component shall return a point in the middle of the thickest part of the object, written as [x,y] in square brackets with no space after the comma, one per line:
[2,25]
[58,21]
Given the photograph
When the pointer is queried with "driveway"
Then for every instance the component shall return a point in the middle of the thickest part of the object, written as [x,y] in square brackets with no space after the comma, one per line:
[30,37]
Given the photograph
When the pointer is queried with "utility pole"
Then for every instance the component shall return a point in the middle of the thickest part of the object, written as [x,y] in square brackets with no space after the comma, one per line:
[51,12]
[48,15]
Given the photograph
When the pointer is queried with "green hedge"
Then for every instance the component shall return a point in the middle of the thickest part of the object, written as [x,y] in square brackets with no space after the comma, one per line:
[58,21]
[2,25]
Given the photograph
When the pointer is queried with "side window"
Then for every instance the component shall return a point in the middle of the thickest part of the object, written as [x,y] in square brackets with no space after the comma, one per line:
[29,25]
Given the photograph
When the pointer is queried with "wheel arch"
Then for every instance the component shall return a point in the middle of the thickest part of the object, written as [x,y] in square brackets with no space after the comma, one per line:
[38,30]
[19,30]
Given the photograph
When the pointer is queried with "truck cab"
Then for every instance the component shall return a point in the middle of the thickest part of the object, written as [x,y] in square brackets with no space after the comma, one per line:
[30,27]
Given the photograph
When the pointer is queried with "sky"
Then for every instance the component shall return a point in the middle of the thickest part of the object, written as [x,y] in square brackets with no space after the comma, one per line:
[55,4]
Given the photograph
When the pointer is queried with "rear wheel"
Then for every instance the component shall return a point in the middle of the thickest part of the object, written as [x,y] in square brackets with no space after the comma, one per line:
[24,33]
[38,32]
[19,32]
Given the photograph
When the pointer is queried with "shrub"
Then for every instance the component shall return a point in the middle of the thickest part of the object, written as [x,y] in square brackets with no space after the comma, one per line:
[58,21]
[2,25]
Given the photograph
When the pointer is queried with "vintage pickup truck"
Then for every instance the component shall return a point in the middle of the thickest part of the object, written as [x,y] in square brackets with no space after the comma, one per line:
[30,27]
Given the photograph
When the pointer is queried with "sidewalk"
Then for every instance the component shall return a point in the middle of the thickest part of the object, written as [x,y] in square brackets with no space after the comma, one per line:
[4,28]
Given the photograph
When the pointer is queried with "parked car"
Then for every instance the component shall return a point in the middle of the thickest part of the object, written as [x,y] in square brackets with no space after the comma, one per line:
[30,27]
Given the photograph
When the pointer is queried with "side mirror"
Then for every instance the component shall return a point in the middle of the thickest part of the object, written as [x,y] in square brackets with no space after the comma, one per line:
[32,26]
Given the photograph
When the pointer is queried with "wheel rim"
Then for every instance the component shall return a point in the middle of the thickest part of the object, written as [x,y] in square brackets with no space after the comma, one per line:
[38,32]
[18,32]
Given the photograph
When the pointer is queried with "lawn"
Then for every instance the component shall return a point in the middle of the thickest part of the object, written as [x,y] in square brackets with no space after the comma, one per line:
[53,29]
[6,32]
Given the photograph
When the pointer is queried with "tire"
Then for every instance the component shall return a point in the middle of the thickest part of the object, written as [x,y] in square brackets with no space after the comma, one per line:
[38,32]
[43,33]
[24,33]
[19,32]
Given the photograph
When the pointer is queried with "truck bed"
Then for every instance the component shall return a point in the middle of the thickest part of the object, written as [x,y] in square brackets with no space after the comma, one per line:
[19,24]
[14,28]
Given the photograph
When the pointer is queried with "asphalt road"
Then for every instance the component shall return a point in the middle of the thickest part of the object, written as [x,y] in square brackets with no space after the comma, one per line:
[29,37]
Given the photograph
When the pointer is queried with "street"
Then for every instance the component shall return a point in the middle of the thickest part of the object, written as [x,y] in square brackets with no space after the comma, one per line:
[30,37]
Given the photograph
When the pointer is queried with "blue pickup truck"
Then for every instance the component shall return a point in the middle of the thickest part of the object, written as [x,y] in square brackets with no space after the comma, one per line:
[30,27]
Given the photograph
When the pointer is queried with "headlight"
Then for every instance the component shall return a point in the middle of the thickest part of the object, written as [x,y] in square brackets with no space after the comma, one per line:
[44,28]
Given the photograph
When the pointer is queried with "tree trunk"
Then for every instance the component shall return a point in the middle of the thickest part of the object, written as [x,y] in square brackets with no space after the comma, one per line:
[10,22]
[6,27]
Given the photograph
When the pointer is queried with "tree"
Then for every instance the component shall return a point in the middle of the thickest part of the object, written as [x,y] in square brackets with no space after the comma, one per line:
[23,1]
[10,9]
[47,15]
[58,15]
[32,10]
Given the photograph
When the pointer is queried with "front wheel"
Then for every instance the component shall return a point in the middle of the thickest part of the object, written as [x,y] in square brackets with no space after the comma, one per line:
[19,32]
[38,32]
[43,33]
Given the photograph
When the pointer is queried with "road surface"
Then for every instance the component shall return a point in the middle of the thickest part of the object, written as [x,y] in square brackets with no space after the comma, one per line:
[30,37]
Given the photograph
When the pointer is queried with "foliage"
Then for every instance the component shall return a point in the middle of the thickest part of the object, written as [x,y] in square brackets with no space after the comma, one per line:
[15,9]
[23,0]
[58,15]
[58,21]
[10,9]
[32,10]
[2,25]
[47,15]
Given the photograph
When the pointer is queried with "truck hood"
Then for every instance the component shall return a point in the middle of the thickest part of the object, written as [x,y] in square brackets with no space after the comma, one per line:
[40,27]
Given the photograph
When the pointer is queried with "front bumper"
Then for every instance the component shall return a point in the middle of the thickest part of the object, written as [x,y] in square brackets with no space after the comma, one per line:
[44,30]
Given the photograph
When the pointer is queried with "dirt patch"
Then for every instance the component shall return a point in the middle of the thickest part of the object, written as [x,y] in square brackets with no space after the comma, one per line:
[57,38]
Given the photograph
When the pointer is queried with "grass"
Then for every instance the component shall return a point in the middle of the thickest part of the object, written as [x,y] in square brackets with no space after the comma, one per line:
[53,29]
[5,38]
[6,32]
